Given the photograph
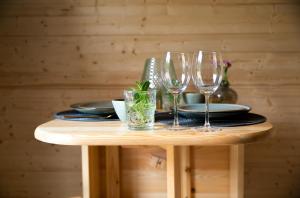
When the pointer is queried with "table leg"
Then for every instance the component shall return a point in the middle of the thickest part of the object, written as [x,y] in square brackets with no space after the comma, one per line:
[185,172]
[93,180]
[237,171]
[112,172]
[178,172]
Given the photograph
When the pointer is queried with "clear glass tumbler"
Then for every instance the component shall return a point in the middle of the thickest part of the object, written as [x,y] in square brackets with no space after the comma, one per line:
[140,109]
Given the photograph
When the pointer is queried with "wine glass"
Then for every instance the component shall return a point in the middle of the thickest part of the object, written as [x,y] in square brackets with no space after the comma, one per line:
[207,73]
[175,73]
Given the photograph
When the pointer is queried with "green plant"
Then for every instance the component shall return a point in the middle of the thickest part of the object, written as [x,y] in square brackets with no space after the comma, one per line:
[140,95]
[141,106]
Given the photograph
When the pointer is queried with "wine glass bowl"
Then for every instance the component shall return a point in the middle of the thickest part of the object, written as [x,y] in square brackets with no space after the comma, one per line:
[175,71]
[207,73]
[175,74]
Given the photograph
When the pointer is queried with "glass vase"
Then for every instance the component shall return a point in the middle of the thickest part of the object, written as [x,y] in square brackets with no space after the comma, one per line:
[224,94]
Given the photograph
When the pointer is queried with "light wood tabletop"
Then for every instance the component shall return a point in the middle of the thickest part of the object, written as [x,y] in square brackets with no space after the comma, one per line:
[116,133]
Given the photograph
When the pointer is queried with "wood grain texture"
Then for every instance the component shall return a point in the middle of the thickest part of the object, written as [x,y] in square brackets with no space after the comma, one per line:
[112,171]
[117,133]
[55,53]
[178,171]
[140,175]
[92,179]
[237,171]
[173,172]
[100,171]
[86,61]
[210,174]
[185,171]
[163,19]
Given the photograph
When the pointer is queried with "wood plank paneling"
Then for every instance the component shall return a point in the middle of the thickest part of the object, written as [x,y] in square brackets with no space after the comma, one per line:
[57,52]
[88,60]
[164,19]
[50,184]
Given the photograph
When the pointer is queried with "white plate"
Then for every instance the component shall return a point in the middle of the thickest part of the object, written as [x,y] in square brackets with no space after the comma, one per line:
[216,110]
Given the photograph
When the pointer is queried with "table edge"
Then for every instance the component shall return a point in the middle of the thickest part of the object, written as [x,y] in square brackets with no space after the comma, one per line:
[64,139]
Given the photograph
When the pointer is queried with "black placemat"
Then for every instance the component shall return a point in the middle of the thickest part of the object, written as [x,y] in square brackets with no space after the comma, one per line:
[228,121]
[167,118]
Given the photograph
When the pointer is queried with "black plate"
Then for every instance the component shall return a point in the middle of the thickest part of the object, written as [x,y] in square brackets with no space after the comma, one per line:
[74,115]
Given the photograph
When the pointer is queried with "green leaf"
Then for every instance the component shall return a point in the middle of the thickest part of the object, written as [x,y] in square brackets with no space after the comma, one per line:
[145,86]
[137,97]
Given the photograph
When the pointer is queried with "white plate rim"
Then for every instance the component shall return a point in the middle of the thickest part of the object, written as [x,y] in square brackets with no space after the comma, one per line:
[244,108]
[81,106]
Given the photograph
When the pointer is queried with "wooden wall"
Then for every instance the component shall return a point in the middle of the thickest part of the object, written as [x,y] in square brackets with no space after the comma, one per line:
[57,52]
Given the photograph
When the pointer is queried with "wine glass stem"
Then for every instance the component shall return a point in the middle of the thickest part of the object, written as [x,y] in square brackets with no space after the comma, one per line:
[175,100]
[207,124]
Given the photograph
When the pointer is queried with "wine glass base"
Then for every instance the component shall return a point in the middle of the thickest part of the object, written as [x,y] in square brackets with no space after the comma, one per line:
[177,128]
[208,129]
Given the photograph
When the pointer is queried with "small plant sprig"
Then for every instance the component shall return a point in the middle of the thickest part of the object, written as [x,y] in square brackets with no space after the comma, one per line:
[140,92]
[141,103]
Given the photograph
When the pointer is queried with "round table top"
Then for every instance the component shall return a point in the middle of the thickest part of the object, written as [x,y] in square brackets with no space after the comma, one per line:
[116,133]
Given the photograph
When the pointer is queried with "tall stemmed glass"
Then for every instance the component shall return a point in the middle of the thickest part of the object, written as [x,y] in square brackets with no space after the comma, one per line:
[175,73]
[207,73]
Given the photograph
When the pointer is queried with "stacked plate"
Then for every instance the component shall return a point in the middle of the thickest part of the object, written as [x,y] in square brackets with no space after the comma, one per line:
[89,111]
[104,107]
[221,115]
[215,110]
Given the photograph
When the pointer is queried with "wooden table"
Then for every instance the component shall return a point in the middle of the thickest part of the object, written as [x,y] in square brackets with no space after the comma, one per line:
[91,135]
